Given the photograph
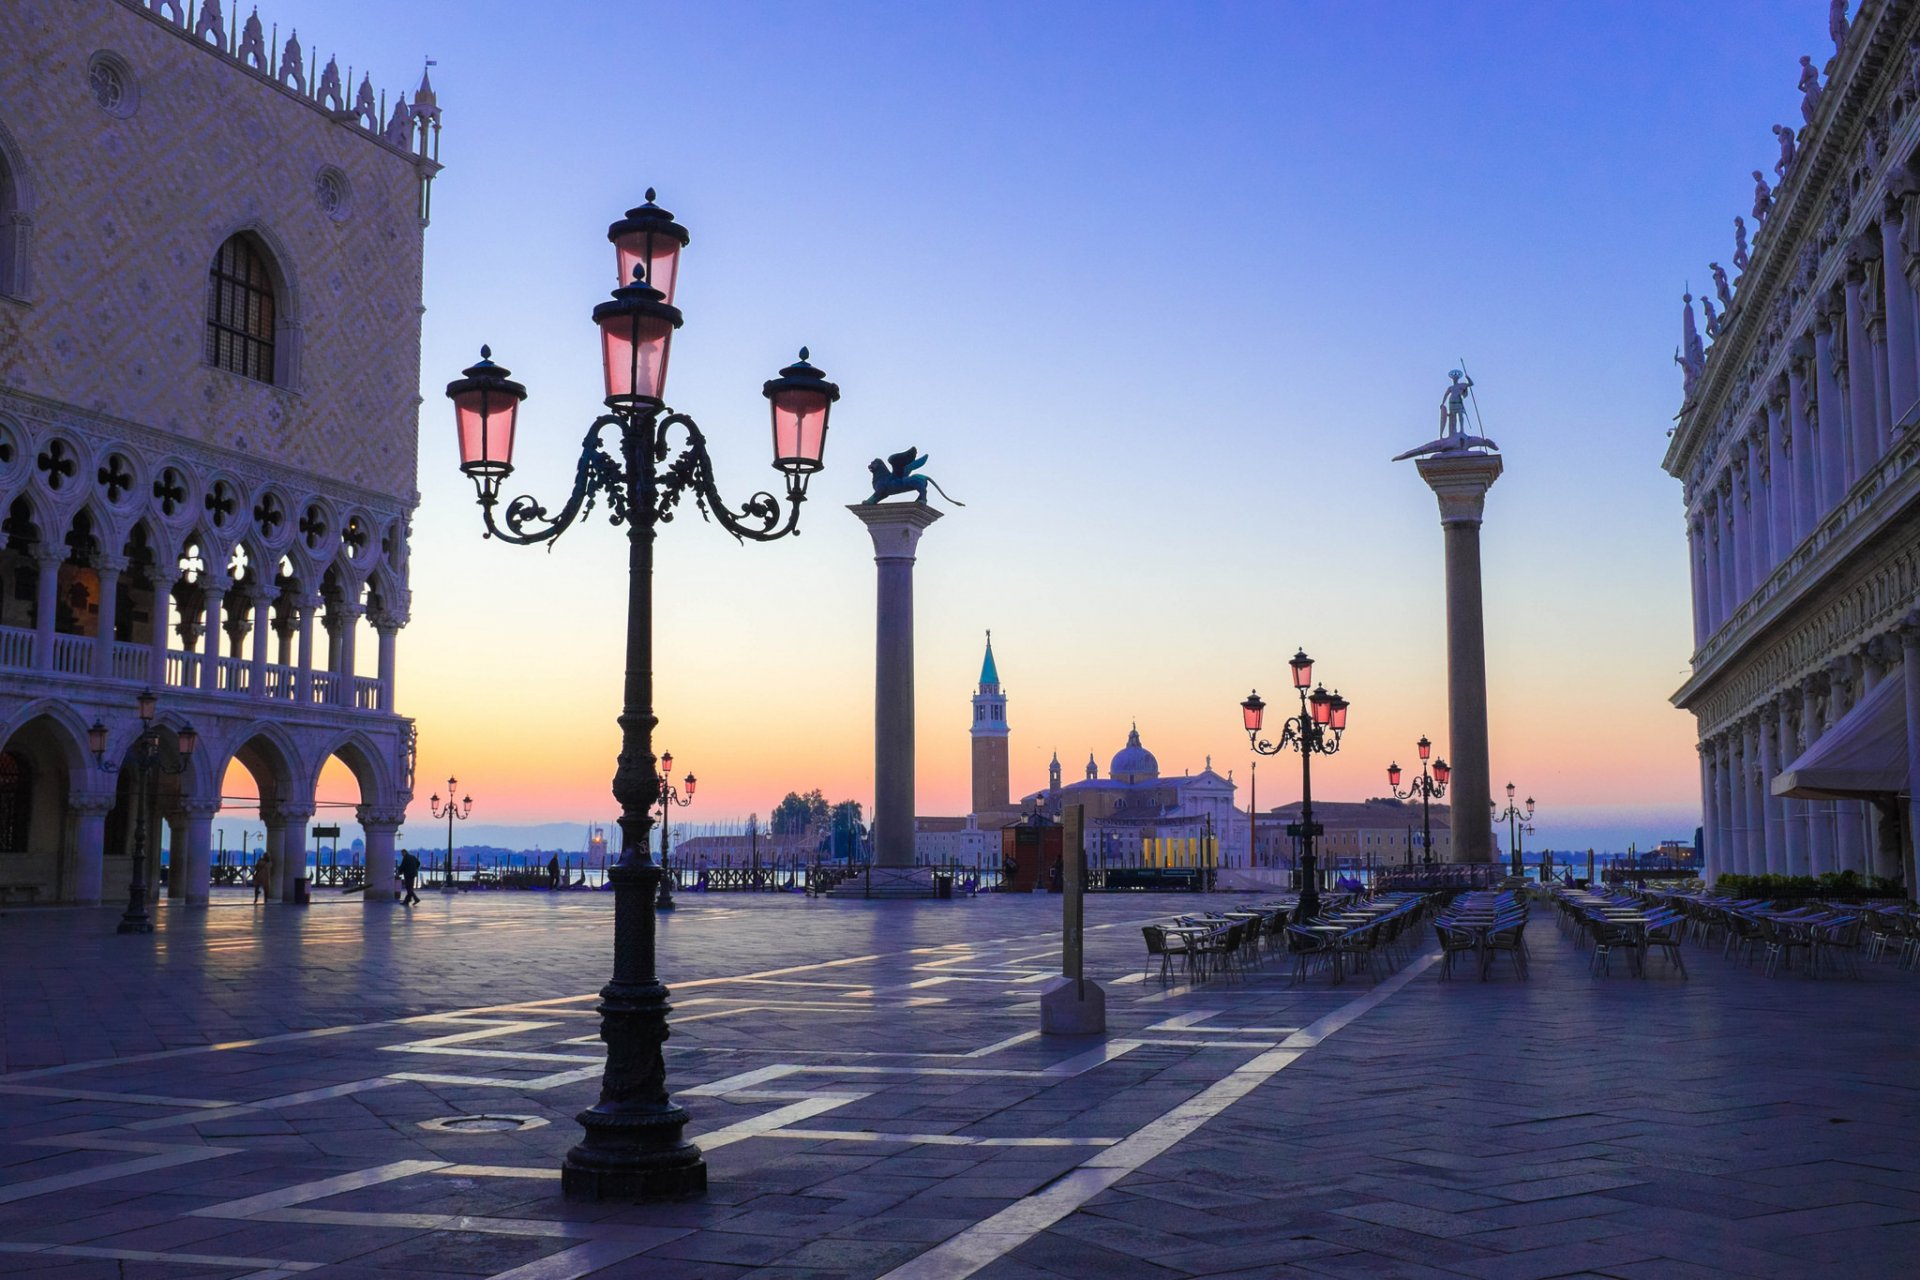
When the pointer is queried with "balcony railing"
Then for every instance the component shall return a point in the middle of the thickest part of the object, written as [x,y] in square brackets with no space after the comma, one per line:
[228,677]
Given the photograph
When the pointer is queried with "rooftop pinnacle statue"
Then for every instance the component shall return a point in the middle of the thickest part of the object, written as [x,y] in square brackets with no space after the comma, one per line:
[1837,24]
[1809,88]
[1785,162]
[895,475]
[1739,243]
[1762,198]
[1453,422]
[1720,285]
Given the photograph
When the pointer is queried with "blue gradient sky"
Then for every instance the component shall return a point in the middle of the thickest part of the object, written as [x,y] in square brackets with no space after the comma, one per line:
[1161,289]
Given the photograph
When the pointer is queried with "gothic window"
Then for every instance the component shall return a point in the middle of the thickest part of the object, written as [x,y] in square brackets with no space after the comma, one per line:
[16,795]
[241,311]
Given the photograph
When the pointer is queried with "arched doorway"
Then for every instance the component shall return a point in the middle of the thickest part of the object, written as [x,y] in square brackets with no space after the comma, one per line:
[38,850]
[262,813]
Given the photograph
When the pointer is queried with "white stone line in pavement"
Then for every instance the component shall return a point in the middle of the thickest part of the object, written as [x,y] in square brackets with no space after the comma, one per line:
[928,1139]
[1190,1022]
[570,1264]
[807,1106]
[997,1236]
[533,1084]
[86,1095]
[302,1192]
[97,1063]
[273,1266]
[498,1171]
[11,1192]
[264,1104]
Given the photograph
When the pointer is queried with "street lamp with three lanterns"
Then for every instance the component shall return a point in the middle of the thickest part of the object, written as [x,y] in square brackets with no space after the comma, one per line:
[148,764]
[670,796]
[1429,786]
[1513,815]
[635,1146]
[452,811]
[1315,731]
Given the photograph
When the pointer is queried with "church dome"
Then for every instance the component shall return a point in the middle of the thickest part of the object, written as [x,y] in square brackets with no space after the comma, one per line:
[1133,762]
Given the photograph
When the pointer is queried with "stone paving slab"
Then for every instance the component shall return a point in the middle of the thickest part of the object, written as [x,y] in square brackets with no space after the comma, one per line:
[242,1094]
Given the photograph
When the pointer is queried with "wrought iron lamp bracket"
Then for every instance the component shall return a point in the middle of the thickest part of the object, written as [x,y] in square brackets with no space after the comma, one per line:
[758,518]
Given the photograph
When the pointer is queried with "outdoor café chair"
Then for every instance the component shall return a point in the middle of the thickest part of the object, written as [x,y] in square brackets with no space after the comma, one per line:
[1306,946]
[1166,946]
[1510,939]
[1453,941]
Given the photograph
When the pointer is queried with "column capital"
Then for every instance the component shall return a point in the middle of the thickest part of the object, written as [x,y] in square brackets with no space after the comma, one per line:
[283,814]
[1460,482]
[195,807]
[375,815]
[895,527]
[91,804]
[49,553]
[106,563]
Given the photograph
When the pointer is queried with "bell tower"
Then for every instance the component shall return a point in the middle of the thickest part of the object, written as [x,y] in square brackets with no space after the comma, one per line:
[990,785]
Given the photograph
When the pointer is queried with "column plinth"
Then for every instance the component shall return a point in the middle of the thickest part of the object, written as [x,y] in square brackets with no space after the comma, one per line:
[1460,482]
[896,531]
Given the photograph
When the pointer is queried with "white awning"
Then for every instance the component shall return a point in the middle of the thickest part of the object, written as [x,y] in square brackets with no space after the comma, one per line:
[1865,754]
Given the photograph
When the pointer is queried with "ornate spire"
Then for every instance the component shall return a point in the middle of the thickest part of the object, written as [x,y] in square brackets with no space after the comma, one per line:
[989,673]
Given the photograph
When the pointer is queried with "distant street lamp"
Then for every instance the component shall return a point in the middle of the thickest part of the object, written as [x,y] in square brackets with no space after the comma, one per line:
[635,1145]
[669,797]
[1315,731]
[1513,816]
[462,811]
[148,765]
[1429,786]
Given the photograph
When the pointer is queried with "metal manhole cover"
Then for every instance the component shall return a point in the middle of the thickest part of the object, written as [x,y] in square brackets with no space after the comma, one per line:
[482,1124]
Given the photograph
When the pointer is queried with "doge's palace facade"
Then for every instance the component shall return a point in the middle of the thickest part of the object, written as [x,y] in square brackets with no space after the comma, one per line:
[1798,449]
[210,286]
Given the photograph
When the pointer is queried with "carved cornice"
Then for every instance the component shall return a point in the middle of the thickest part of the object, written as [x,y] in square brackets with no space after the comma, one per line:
[1777,289]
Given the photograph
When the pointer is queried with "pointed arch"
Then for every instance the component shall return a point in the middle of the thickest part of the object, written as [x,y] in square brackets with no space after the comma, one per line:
[253,306]
[363,757]
[70,734]
[16,218]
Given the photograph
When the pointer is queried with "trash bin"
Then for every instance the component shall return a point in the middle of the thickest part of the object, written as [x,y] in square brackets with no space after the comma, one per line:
[942,884]
[302,895]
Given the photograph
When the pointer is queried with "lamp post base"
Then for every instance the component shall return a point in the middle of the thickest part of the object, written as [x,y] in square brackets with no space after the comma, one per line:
[592,1177]
[135,924]
[635,1146]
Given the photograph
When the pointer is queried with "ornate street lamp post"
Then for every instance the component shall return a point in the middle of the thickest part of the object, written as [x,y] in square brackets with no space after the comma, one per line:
[1513,815]
[634,1147]
[1315,731]
[147,765]
[1429,786]
[669,797]
[462,811]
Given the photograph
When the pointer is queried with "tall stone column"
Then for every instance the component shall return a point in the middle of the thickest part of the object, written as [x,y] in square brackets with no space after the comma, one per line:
[1820,857]
[1901,384]
[896,529]
[213,629]
[1697,566]
[1805,483]
[1729,570]
[1794,813]
[1910,652]
[48,557]
[1860,448]
[109,569]
[195,866]
[1742,518]
[161,611]
[84,873]
[1710,811]
[379,825]
[1460,481]
[1753,846]
[1772,819]
[1779,491]
[1831,427]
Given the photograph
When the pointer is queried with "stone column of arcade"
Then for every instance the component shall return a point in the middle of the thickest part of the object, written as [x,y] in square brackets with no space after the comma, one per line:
[379,825]
[196,862]
[1460,481]
[896,531]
